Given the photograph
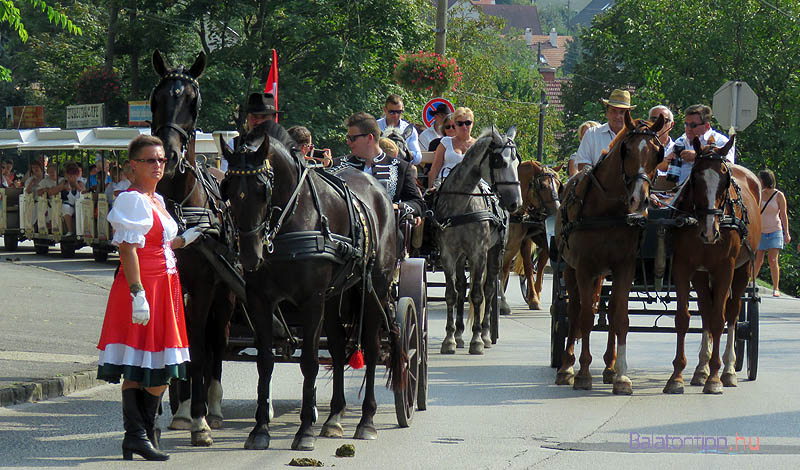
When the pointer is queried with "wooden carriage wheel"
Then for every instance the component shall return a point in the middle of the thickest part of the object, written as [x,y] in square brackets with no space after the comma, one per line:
[406,400]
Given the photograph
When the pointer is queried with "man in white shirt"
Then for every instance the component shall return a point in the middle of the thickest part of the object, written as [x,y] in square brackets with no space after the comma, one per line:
[431,133]
[392,111]
[597,139]
[697,124]
[663,134]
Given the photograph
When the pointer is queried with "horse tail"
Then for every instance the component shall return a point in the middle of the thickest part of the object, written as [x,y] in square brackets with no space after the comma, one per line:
[396,363]
[472,315]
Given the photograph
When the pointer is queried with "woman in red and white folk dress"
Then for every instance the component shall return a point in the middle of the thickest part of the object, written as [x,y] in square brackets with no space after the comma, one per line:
[144,338]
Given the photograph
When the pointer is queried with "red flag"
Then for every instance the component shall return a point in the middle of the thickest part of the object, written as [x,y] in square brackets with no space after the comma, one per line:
[272,80]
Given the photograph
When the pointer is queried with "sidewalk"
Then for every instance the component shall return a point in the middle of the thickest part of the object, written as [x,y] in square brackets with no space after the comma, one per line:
[50,322]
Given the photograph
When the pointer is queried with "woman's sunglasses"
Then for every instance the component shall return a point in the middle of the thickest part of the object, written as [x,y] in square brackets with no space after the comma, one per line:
[463,123]
[450,127]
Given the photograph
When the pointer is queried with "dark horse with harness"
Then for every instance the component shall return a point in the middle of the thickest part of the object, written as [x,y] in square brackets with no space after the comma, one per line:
[193,199]
[323,248]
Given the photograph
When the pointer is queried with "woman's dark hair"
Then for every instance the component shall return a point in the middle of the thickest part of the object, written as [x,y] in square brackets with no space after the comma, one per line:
[72,168]
[140,142]
[767,178]
[300,134]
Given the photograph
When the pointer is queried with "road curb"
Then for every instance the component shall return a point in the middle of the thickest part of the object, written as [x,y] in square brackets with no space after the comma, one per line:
[45,389]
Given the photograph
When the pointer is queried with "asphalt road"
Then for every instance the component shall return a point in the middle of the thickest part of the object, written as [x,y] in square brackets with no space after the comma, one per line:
[500,410]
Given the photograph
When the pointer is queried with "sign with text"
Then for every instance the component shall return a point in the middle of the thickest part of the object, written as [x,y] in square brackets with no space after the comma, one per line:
[24,117]
[82,116]
[139,114]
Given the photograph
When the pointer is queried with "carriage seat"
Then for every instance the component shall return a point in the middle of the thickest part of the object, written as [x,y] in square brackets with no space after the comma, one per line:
[12,199]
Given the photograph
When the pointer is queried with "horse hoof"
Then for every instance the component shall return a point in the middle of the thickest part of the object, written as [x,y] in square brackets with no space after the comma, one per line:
[534,306]
[623,386]
[504,308]
[181,424]
[366,432]
[673,387]
[448,347]
[487,341]
[582,382]
[459,343]
[713,387]
[334,430]
[565,378]
[257,441]
[201,439]
[476,347]
[303,442]
[699,378]
[609,375]
[730,380]
[214,421]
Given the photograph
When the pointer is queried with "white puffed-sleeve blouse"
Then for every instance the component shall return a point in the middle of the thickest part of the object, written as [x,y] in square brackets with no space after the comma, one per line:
[132,217]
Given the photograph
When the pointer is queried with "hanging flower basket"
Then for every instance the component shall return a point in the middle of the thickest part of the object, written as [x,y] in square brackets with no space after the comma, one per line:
[95,85]
[427,72]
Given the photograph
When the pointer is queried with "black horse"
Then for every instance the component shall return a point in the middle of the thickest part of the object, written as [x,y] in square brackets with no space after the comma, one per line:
[193,199]
[325,252]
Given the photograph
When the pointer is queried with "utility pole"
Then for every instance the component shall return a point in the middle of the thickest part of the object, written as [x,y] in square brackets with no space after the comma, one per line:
[441,26]
[542,108]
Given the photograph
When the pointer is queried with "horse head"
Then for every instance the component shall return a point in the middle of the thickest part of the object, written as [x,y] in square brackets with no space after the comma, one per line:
[709,184]
[175,103]
[543,186]
[640,153]
[498,167]
[399,138]
[248,187]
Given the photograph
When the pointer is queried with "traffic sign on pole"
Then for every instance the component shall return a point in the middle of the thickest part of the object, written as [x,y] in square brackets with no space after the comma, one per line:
[735,105]
[430,108]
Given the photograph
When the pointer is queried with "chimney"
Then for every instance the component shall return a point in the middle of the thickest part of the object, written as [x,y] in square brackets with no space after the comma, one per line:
[548,74]
[553,36]
[529,36]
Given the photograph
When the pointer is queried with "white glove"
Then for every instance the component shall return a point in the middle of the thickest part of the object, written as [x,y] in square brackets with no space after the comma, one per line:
[141,309]
[191,235]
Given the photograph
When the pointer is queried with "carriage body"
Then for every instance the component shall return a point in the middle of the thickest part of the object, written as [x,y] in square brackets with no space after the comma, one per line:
[652,293]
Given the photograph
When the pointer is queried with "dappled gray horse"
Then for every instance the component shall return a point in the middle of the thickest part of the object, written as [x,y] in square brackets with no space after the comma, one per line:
[471,231]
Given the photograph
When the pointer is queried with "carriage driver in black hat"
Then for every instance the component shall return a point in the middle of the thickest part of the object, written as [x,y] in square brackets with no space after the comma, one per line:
[395,174]
[260,108]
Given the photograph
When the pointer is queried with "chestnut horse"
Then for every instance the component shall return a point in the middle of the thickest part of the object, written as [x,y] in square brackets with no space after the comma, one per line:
[716,256]
[540,186]
[598,230]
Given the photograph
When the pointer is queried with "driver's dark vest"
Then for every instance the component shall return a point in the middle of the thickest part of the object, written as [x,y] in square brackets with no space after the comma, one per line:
[384,168]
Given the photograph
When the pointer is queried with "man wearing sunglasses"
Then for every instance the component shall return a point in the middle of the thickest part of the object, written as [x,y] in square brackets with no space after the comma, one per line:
[431,133]
[394,174]
[697,124]
[392,112]
[597,139]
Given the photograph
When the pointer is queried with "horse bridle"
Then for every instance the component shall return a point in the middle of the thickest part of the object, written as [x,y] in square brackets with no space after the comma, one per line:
[639,174]
[537,184]
[264,175]
[185,137]
[716,212]
[497,162]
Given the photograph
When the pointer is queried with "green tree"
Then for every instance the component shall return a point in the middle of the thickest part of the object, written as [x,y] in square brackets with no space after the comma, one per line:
[12,15]
[679,54]
[500,83]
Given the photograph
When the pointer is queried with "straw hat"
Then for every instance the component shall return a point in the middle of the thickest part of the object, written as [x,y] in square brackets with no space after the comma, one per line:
[619,99]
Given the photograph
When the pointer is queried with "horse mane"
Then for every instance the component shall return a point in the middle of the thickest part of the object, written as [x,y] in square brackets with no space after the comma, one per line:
[277,132]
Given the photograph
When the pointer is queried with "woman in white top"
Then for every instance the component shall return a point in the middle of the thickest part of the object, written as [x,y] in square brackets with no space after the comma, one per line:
[451,150]
[144,340]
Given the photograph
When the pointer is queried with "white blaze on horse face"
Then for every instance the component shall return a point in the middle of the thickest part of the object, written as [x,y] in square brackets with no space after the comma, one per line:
[711,178]
[642,145]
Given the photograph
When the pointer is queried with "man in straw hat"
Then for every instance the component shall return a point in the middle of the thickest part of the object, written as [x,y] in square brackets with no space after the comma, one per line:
[597,139]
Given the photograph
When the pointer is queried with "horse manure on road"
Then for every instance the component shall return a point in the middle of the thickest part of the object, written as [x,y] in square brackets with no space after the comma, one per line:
[306,462]
[347,450]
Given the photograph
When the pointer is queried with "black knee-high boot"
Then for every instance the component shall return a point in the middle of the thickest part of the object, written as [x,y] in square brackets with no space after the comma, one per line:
[136,441]
[149,405]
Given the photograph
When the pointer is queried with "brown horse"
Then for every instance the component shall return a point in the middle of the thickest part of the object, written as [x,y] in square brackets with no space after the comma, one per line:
[540,186]
[597,233]
[716,256]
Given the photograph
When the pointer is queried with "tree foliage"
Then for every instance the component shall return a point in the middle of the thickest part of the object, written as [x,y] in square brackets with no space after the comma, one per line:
[679,54]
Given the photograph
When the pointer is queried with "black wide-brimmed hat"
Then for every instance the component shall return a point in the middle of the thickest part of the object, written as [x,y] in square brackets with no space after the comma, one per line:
[442,108]
[261,103]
